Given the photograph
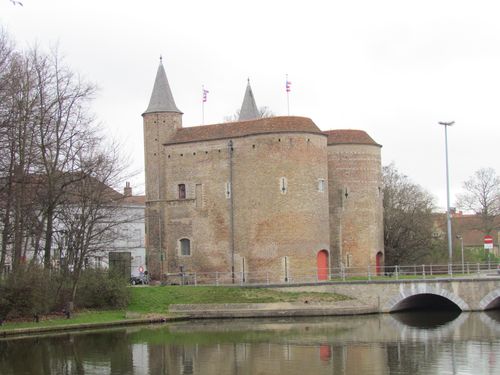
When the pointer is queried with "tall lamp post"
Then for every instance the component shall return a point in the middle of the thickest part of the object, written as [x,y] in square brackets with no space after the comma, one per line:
[448,214]
[461,238]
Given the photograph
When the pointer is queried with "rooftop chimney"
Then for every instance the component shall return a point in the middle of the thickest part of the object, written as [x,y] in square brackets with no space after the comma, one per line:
[127,191]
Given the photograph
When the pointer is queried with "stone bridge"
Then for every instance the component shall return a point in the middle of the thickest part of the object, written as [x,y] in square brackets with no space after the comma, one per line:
[467,294]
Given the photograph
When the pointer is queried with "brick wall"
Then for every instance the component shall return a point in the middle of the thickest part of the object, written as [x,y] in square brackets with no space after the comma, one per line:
[356,213]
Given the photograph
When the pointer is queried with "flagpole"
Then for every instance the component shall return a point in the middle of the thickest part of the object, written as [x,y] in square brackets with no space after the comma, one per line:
[203,105]
[287,96]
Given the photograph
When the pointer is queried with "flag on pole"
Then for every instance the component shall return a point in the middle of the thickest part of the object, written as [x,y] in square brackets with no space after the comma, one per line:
[288,85]
[205,92]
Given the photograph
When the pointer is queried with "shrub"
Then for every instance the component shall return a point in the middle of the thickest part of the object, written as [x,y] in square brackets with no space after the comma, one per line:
[101,289]
[28,291]
[32,290]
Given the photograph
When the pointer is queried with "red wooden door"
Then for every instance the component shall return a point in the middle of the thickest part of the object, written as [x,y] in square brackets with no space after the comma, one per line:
[322,262]
[378,260]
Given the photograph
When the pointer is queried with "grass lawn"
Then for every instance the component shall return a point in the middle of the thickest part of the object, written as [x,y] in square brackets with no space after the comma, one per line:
[157,299]
[83,317]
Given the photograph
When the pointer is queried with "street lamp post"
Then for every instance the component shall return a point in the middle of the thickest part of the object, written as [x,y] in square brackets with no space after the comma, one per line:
[448,214]
[461,238]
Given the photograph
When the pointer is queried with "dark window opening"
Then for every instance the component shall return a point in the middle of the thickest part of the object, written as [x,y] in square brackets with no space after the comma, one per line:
[182,191]
[185,246]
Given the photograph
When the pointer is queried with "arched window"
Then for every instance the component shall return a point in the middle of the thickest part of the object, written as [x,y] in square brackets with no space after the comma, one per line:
[182,191]
[185,247]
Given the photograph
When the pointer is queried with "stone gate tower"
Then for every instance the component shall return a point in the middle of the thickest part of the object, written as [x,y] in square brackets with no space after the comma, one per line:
[259,199]
[161,120]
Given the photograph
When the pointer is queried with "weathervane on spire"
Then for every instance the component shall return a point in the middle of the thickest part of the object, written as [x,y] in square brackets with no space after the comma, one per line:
[161,59]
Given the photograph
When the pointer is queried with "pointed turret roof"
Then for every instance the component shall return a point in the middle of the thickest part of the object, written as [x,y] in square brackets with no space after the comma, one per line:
[161,97]
[249,110]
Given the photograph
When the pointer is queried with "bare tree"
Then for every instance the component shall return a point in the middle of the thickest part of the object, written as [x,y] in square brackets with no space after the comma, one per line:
[482,196]
[89,221]
[63,126]
[264,112]
[408,222]
[17,148]
[49,147]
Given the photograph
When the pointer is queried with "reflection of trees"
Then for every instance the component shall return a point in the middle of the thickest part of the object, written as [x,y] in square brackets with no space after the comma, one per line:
[409,358]
[67,354]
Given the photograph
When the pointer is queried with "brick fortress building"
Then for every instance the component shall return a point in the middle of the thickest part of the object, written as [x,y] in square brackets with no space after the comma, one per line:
[261,196]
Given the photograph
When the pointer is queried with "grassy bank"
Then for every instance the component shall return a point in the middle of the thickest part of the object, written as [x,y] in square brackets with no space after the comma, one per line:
[146,301]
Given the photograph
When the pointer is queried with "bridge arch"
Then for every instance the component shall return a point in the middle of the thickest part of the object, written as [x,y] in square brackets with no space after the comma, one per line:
[491,300]
[401,300]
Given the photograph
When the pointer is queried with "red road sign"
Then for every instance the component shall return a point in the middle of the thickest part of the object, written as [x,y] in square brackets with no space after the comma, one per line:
[488,242]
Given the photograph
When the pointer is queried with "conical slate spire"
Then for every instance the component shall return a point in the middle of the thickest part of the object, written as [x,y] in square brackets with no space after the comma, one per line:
[249,110]
[161,97]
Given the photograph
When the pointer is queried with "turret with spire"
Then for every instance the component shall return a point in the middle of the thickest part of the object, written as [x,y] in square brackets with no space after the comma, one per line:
[249,110]
[162,99]
[161,120]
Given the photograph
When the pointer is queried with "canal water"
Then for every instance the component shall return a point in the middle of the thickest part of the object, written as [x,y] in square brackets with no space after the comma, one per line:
[404,343]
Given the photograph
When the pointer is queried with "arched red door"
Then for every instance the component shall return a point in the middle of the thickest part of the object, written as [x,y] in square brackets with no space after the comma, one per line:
[378,262]
[322,262]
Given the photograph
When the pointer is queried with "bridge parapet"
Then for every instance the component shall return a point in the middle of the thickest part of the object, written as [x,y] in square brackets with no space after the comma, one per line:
[468,294]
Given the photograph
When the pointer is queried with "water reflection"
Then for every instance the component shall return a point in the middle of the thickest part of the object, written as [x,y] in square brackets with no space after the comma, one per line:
[404,343]
[426,319]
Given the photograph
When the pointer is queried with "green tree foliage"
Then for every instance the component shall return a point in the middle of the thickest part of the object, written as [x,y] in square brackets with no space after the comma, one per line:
[408,219]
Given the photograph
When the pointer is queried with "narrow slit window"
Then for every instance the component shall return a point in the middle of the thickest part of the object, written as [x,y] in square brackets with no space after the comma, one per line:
[283,185]
[228,190]
[321,185]
[182,191]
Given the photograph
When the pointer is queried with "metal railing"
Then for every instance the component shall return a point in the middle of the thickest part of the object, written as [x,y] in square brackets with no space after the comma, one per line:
[340,274]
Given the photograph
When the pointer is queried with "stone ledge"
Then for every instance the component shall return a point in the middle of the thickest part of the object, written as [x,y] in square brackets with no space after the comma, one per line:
[254,310]
[85,326]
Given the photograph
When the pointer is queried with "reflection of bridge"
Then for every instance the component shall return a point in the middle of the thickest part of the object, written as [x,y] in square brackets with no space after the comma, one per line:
[467,294]
[340,329]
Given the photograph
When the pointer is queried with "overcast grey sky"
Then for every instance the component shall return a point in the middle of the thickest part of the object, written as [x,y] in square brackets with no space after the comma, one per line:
[393,68]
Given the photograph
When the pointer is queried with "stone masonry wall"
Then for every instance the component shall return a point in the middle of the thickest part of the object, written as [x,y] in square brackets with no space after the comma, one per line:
[269,224]
[356,213]
[158,128]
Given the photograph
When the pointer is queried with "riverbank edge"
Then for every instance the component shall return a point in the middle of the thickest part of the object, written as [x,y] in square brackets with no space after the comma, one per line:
[205,311]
